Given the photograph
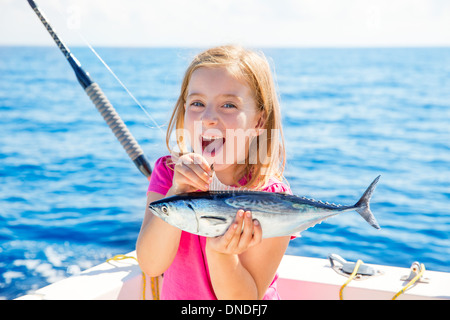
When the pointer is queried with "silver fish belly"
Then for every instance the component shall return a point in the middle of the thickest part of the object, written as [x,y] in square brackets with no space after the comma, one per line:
[210,213]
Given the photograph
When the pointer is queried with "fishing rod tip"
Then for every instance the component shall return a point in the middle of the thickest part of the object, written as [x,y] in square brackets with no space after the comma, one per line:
[32,4]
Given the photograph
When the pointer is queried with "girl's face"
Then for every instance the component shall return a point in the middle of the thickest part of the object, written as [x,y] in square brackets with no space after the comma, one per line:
[220,117]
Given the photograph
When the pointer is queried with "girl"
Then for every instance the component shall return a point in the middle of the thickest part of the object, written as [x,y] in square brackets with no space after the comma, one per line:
[227,104]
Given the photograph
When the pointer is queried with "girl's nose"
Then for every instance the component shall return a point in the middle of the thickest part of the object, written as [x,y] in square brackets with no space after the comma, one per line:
[209,116]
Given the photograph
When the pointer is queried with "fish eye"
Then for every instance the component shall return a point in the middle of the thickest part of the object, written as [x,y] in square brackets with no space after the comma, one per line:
[165,210]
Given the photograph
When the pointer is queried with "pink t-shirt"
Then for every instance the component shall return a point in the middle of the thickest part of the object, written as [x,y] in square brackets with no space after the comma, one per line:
[188,278]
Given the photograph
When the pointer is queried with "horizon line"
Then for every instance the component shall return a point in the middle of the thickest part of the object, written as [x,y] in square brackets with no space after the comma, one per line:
[201,46]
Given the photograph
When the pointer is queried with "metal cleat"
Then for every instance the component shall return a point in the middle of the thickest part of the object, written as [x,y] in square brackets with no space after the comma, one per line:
[345,268]
[415,269]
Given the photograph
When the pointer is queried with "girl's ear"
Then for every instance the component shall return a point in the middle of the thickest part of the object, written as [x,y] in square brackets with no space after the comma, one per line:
[260,124]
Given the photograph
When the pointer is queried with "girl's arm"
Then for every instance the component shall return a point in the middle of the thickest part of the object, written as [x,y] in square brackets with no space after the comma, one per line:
[157,242]
[241,264]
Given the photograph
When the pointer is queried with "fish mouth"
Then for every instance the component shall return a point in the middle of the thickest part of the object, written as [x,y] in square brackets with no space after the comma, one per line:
[211,145]
[156,212]
[152,210]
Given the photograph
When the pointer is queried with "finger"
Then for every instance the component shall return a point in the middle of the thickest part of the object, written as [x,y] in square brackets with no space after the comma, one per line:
[201,173]
[229,234]
[196,159]
[247,232]
[197,164]
[236,231]
[201,161]
[257,233]
[187,176]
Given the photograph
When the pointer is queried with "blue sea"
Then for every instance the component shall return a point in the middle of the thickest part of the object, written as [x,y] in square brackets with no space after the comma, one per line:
[70,197]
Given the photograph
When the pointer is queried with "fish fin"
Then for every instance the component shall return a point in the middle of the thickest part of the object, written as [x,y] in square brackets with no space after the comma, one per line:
[217,185]
[363,205]
[214,220]
[298,230]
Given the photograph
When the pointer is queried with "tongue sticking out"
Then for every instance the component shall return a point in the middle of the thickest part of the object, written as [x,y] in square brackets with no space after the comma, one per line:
[212,146]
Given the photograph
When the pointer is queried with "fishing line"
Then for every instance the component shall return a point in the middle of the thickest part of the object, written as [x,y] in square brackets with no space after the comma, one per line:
[112,72]
[99,99]
[121,83]
[102,103]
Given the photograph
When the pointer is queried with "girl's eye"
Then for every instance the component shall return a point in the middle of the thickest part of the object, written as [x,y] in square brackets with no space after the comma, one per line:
[197,104]
[229,106]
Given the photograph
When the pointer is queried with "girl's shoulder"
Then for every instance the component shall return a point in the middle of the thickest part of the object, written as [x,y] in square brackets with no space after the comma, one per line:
[276,185]
[162,175]
[165,163]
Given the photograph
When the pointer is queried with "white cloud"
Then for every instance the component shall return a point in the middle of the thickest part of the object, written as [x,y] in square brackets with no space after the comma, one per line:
[250,22]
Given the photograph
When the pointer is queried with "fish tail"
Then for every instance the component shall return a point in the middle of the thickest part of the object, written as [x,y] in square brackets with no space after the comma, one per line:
[363,205]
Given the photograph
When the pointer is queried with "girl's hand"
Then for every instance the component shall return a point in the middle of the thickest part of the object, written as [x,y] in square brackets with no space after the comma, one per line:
[237,240]
[192,173]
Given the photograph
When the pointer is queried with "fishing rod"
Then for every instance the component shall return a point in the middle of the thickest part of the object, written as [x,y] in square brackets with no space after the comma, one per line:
[100,101]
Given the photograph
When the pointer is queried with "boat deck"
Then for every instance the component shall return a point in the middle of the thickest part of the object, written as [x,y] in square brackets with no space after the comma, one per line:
[300,278]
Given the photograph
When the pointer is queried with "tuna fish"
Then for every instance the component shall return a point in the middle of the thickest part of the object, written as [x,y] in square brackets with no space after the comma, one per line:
[210,213]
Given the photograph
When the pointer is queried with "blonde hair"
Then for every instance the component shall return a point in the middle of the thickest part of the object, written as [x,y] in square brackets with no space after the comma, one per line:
[253,69]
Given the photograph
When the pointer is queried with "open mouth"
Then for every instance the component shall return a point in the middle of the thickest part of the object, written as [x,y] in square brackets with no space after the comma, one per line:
[211,145]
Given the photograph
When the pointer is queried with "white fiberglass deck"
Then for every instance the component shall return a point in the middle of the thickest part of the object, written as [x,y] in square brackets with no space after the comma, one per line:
[300,278]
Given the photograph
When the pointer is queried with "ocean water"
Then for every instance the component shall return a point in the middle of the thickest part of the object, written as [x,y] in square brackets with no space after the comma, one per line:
[70,197]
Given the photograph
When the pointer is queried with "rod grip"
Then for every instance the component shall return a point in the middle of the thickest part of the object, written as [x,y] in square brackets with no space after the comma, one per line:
[118,127]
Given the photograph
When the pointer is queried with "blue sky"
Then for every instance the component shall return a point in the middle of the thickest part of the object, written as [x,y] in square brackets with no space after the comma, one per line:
[287,23]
